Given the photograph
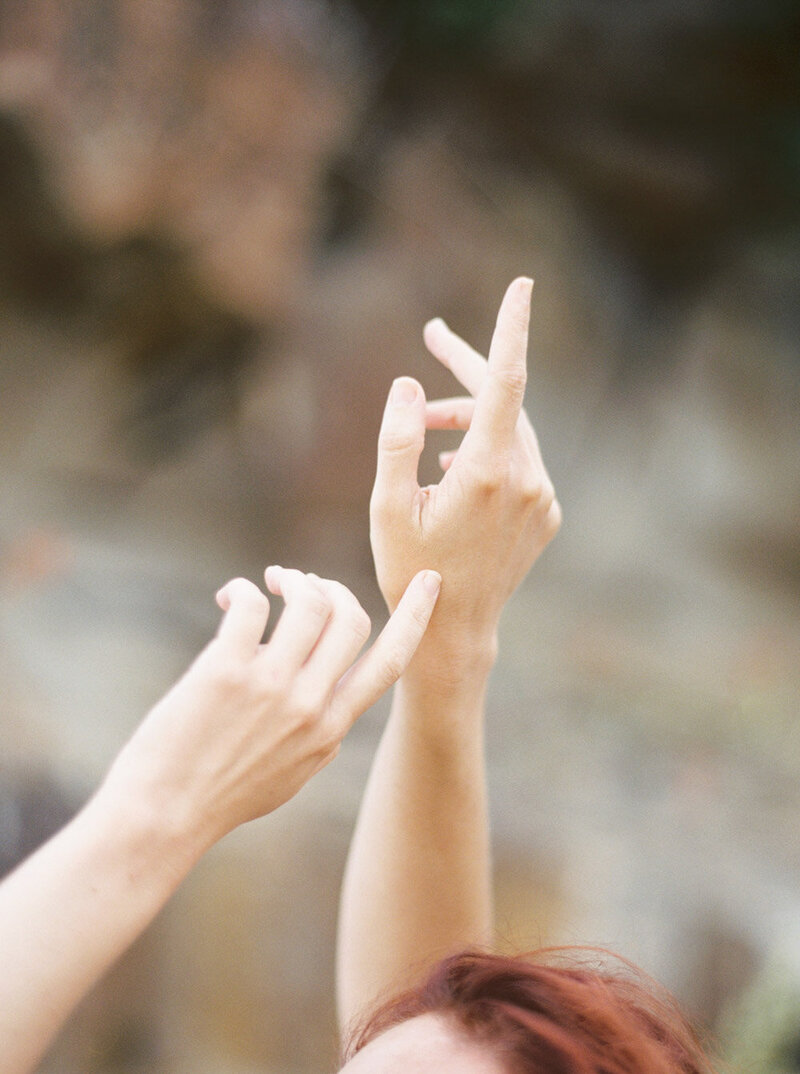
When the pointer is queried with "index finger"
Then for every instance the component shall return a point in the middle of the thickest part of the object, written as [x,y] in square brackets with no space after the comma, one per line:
[499,399]
[386,660]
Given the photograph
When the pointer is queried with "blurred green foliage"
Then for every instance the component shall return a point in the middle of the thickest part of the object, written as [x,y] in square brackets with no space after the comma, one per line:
[761,1031]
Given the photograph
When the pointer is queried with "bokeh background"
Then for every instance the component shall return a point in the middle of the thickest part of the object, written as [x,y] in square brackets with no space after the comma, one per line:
[222,226]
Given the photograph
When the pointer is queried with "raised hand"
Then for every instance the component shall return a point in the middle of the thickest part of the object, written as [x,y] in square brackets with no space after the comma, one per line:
[250,723]
[242,731]
[494,510]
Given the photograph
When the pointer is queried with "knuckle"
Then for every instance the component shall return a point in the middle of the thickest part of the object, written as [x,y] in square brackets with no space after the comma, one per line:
[361,624]
[420,615]
[532,491]
[491,476]
[512,379]
[382,503]
[305,709]
[259,599]
[353,615]
[554,519]
[536,491]
[324,753]
[316,601]
[547,496]
[330,737]
[398,441]
[337,593]
[394,665]
[228,675]
[488,484]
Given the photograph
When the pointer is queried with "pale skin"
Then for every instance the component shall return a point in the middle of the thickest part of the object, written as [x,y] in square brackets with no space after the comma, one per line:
[250,723]
[238,735]
[428,1044]
[417,883]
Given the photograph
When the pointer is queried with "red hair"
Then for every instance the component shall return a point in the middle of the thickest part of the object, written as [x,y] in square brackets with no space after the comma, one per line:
[547,1017]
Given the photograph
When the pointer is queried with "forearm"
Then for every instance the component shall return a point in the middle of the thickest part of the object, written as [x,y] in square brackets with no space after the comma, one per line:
[71,909]
[235,738]
[417,883]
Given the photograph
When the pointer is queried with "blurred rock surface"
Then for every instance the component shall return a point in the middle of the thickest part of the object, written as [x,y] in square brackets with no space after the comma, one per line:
[218,248]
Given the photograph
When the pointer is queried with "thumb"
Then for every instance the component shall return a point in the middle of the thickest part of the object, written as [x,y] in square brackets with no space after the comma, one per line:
[400,444]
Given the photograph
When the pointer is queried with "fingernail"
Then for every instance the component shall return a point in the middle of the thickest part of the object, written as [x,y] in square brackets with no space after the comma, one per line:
[526,286]
[404,391]
[436,324]
[432,582]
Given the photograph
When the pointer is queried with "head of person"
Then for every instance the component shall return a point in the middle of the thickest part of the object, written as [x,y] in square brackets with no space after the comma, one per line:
[535,1014]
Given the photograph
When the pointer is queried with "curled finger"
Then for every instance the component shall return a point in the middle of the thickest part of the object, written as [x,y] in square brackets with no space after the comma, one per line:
[308,609]
[552,520]
[246,611]
[450,413]
[342,639]
[466,365]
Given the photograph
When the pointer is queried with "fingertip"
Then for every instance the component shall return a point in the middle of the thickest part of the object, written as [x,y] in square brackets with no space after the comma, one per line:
[229,590]
[402,434]
[405,391]
[239,591]
[517,299]
[432,583]
[433,332]
[272,578]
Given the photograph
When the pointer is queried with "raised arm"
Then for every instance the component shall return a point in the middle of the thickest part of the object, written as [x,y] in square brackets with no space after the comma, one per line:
[238,735]
[417,883]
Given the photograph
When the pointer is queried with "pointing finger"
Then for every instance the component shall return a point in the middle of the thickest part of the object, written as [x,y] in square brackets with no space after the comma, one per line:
[500,397]
[386,660]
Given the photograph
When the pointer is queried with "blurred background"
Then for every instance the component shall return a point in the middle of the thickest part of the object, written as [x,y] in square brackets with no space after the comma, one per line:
[222,227]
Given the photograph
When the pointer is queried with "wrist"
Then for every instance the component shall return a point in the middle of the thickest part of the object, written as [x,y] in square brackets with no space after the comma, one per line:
[442,707]
[453,663]
[462,632]
[159,827]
